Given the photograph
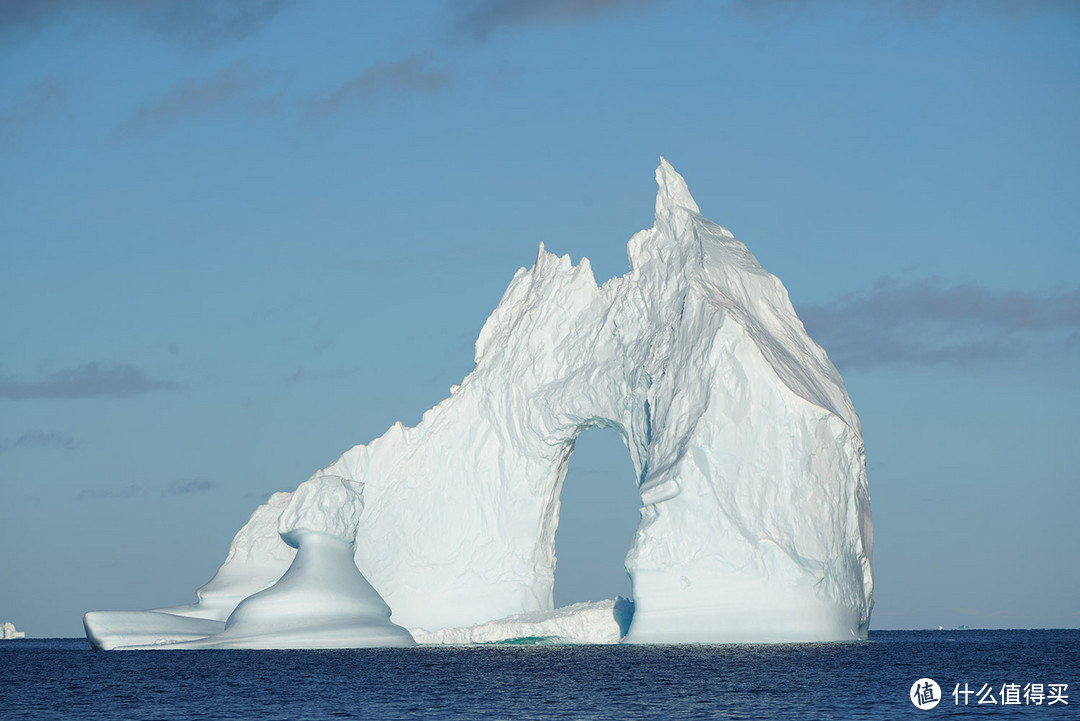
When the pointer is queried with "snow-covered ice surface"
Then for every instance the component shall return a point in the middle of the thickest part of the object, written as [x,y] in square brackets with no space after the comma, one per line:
[755,523]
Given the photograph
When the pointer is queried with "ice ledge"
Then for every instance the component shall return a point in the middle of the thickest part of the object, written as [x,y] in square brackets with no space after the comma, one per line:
[600,622]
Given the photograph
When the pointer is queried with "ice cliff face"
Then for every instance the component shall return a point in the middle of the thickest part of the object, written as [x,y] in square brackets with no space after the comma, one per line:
[755,523]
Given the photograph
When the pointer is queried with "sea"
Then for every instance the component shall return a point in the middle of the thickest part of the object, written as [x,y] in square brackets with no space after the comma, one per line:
[1030,674]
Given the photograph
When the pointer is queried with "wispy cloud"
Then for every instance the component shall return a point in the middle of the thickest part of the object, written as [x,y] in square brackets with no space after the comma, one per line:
[1009,9]
[413,75]
[39,439]
[910,10]
[132,490]
[44,97]
[929,321]
[183,487]
[477,19]
[36,103]
[196,24]
[307,375]
[189,487]
[90,380]
[234,89]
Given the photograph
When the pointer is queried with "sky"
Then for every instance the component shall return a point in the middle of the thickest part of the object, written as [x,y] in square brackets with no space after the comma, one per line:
[238,238]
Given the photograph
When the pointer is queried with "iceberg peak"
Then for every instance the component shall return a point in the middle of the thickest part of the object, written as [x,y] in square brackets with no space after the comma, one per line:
[674,192]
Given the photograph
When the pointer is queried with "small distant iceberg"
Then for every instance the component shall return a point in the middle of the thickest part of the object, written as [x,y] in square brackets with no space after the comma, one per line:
[8,632]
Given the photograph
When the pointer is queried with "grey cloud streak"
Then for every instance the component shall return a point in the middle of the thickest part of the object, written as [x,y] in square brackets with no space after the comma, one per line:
[132,490]
[412,75]
[236,88]
[44,97]
[183,487]
[478,19]
[39,439]
[90,380]
[196,24]
[910,10]
[931,322]
[188,487]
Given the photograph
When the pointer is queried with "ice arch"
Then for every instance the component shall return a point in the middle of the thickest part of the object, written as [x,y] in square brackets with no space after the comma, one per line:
[748,453]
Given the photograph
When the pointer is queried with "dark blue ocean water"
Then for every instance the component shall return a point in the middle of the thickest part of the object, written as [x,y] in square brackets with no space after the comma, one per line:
[64,679]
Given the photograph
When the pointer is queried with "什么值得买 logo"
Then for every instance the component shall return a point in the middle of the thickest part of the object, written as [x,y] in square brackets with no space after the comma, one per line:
[925,693]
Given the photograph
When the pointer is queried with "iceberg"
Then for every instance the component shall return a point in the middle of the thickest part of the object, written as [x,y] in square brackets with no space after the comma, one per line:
[8,632]
[755,522]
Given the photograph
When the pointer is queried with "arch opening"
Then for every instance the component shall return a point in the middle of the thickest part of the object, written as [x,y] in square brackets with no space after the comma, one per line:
[599,511]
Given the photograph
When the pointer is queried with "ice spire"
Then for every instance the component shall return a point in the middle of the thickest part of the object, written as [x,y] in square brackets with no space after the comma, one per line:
[673,192]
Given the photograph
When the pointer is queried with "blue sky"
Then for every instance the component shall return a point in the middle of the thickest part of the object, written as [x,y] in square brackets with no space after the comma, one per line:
[238,238]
